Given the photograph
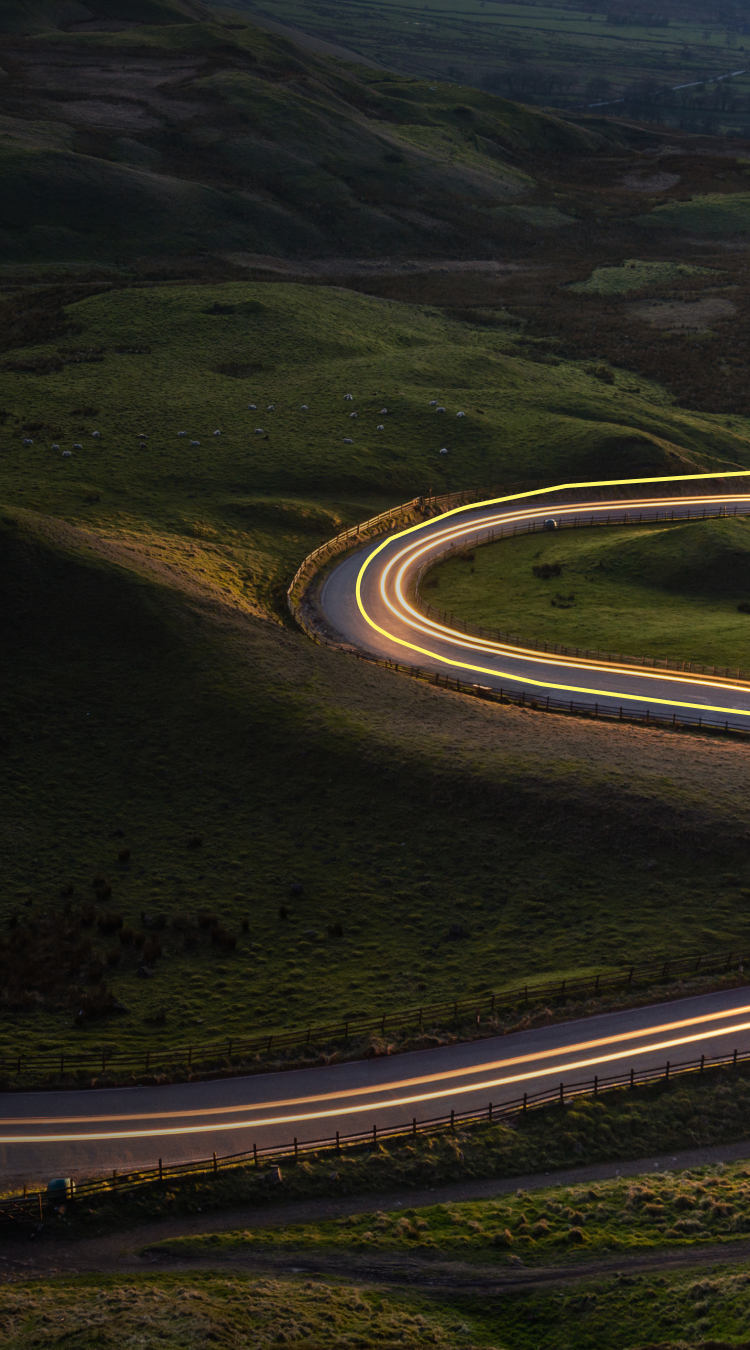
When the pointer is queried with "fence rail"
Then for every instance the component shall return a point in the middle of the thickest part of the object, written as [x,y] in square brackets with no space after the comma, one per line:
[31,1207]
[479,1011]
[614,518]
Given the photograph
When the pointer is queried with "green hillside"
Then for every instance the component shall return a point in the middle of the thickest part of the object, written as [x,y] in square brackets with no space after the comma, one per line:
[650,591]
[155,694]
[231,140]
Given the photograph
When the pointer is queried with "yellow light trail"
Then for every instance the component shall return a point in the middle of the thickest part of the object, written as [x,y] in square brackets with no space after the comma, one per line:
[464,1072]
[432,629]
[411,1100]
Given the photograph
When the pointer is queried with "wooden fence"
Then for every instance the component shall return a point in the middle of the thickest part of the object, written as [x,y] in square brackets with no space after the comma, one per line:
[31,1208]
[472,1012]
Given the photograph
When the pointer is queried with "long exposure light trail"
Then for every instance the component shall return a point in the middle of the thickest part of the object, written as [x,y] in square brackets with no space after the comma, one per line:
[411,1099]
[397,570]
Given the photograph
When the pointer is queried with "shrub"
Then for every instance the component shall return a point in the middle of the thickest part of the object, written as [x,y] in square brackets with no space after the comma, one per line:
[744,607]
[151,949]
[601,373]
[113,957]
[545,570]
[222,938]
[335,930]
[208,920]
[109,923]
[95,1003]
[124,855]
[127,936]
[195,841]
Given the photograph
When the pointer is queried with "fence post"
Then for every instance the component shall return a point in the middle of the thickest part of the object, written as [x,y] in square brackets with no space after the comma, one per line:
[703,1060]
[161,1174]
[562,1094]
[734,1060]
[255,1154]
[596,1085]
[632,1078]
[414,1125]
[295,1148]
[524,1100]
[489,1113]
[453,1121]
[666,1076]
[338,1145]
[374,1136]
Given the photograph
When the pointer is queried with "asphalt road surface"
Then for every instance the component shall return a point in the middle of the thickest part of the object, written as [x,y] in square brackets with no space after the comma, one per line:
[368,601]
[50,1134]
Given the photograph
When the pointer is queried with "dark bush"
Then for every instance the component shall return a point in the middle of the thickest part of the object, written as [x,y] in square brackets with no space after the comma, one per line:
[296,889]
[68,888]
[157,1018]
[245,926]
[208,920]
[95,971]
[195,841]
[88,914]
[139,939]
[109,923]
[93,1004]
[601,373]
[151,949]
[744,607]
[222,938]
[283,912]
[545,570]
[127,936]
[124,855]
[335,930]
[113,957]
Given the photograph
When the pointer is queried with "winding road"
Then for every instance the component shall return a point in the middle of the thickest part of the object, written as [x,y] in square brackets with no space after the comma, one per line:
[368,601]
[79,1133]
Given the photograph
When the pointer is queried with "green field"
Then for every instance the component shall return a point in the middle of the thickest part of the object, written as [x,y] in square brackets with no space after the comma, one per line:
[558,54]
[156,693]
[644,591]
[189,1309]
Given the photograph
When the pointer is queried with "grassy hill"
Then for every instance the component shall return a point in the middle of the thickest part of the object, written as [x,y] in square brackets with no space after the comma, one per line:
[203,134]
[153,694]
[654,591]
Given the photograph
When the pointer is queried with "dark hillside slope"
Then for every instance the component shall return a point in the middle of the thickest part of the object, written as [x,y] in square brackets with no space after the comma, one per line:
[201,136]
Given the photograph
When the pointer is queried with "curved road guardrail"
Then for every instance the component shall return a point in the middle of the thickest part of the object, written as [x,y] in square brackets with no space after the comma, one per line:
[368,601]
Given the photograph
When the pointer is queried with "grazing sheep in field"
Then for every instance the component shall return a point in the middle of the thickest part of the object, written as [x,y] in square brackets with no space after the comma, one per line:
[352,414]
[195,442]
[383,411]
[259,431]
[77,445]
[460,414]
[270,407]
[348,397]
[182,433]
[55,447]
[348,440]
[217,433]
[27,440]
[96,435]
[443,451]
[433,402]
[252,407]
[67,454]
[380,427]
[304,408]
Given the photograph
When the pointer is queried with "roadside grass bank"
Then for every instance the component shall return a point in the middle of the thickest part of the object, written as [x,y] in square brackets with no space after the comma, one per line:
[688,1112]
[632,1215]
[197,770]
[659,590]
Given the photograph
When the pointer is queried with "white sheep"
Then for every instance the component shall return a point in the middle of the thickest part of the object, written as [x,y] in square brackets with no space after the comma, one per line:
[348,440]
[27,440]
[440,410]
[182,433]
[252,407]
[96,435]
[55,447]
[217,433]
[380,427]
[195,442]
[348,398]
[443,451]
[383,412]
[433,402]
[67,454]
[259,431]
[304,408]
[270,407]
[77,445]
[460,414]
[352,414]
